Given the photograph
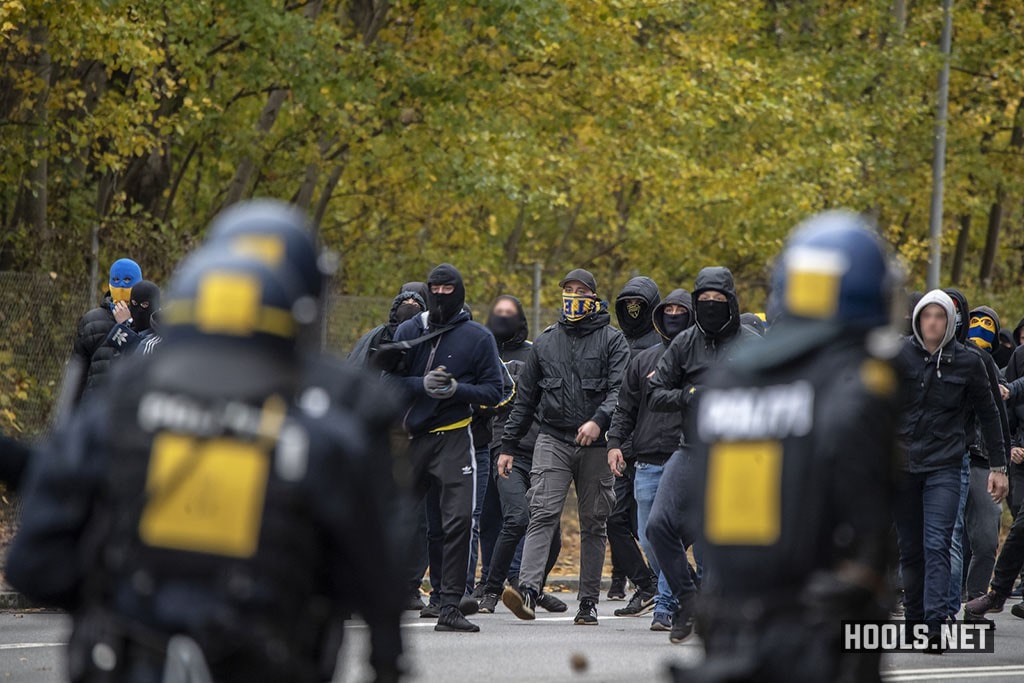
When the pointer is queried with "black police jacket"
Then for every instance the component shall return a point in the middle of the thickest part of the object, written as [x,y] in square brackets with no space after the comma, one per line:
[572,376]
[236,521]
[789,444]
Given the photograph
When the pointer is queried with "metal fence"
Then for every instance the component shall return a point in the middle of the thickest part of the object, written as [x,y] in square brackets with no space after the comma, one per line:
[39,316]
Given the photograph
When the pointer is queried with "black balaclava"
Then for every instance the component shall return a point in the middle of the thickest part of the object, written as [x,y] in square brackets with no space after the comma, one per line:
[444,307]
[144,301]
[1004,349]
[402,310]
[962,311]
[508,328]
[713,316]
[675,323]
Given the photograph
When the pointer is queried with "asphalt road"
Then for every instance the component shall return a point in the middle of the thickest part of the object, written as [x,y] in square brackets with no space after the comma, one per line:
[620,649]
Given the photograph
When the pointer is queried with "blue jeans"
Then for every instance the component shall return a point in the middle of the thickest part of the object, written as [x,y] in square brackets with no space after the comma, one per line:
[645,486]
[956,549]
[483,475]
[925,509]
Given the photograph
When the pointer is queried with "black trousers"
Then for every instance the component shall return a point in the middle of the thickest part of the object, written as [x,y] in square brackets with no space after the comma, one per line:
[1011,558]
[627,559]
[446,460]
[515,513]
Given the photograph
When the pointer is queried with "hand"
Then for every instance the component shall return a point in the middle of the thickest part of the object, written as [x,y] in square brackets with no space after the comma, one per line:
[121,312]
[439,384]
[616,463]
[1017,455]
[998,485]
[588,433]
[504,465]
[1004,391]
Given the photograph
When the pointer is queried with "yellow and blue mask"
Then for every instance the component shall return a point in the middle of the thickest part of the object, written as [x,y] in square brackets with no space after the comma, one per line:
[124,274]
[576,307]
[982,332]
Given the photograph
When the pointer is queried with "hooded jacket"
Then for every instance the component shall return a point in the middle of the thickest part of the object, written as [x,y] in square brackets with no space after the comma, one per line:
[682,368]
[469,353]
[572,376]
[635,324]
[940,387]
[642,433]
[979,455]
[514,353]
[371,341]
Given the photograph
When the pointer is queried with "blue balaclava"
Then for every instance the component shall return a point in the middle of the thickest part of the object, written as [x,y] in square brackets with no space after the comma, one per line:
[124,274]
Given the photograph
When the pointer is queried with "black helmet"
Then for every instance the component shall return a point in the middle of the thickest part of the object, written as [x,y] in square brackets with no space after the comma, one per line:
[218,295]
[274,232]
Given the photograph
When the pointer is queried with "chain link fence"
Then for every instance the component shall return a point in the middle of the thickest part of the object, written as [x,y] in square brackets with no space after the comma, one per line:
[39,316]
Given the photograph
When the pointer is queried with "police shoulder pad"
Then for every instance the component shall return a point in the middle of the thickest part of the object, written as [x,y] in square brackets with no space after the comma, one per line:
[878,377]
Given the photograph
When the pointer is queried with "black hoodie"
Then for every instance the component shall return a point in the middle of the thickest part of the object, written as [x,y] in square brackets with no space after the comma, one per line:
[371,341]
[636,322]
[640,432]
[979,454]
[692,353]
[513,354]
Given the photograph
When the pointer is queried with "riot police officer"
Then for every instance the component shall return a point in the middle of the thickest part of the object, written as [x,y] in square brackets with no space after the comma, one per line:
[792,436]
[211,499]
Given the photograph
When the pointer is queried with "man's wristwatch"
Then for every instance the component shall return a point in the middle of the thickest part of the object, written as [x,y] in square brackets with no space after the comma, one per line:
[1000,470]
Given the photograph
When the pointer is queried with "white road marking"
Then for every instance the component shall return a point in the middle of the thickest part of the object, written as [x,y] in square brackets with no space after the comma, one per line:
[26,646]
[951,673]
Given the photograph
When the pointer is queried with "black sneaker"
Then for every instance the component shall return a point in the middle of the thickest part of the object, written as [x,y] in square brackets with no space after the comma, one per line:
[522,602]
[617,591]
[587,616]
[977,619]
[934,645]
[682,621]
[489,603]
[989,602]
[415,603]
[1018,610]
[452,619]
[468,606]
[550,603]
[431,611]
[641,603]
[478,592]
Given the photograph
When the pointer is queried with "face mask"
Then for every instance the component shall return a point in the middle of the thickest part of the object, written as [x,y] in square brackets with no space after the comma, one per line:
[145,299]
[982,332]
[713,316]
[504,327]
[576,307]
[407,312]
[675,323]
[124,274]
[634,317]
[444,307]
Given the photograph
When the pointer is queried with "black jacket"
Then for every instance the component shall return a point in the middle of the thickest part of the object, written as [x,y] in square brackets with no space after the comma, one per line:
[513,354]
[636,323]
[572,376]
[371,341]
[939,388]
[469,353]
[979,454]
[682,368]
[94,355]
[642,433]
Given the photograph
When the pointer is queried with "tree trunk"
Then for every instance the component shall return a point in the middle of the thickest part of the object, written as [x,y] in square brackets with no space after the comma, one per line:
[247,166]
[995,223]
[962,238]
